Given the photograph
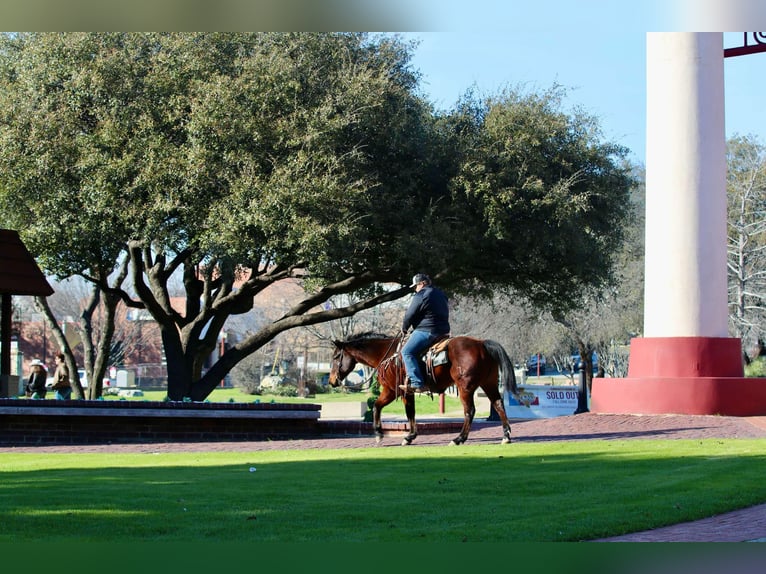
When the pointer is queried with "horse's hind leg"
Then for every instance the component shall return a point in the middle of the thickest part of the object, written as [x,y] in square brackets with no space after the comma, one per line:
[496,400]
[469,410]
[409,409]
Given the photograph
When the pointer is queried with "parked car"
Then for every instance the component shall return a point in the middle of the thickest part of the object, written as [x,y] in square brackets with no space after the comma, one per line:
[577,362]
[536,365]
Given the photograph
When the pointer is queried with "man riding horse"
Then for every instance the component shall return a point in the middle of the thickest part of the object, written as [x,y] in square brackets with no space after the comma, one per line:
[469,364]
[428,315]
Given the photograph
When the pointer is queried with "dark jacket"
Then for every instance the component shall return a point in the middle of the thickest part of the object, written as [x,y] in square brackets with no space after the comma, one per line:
[36,383]
[428,311]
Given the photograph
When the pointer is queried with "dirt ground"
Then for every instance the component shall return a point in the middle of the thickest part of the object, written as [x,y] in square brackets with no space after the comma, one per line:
[586,426]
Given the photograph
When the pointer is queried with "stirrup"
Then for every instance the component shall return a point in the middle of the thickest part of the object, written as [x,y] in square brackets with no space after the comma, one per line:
[409,389]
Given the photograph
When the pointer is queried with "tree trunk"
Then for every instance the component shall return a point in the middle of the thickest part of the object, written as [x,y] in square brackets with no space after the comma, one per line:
[41,304]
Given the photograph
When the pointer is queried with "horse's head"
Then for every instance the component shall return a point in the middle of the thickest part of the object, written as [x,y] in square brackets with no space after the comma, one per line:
[367,349]
[342,364]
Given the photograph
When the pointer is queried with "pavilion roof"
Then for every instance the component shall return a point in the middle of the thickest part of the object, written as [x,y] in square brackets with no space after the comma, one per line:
[19,273]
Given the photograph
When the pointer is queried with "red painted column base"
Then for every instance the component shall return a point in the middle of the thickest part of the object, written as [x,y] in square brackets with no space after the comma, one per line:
[682,375]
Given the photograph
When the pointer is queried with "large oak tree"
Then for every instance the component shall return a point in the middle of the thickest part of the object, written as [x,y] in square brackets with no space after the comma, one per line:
[239,160]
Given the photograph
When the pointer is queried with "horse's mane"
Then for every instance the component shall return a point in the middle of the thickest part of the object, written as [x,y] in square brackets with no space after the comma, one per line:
[366,336]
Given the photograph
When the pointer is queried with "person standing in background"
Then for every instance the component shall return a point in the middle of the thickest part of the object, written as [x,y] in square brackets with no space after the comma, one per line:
[36,382]
[61,384]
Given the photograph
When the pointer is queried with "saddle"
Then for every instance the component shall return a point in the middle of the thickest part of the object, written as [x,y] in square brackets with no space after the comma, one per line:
[435,356]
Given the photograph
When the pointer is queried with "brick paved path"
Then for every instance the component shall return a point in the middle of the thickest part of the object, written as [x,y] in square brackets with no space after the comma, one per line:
[742,525]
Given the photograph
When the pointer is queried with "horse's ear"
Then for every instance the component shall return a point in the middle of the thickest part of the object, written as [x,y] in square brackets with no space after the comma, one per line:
[337,344]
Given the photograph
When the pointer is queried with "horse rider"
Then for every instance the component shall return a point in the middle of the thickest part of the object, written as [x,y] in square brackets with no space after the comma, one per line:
[428,315]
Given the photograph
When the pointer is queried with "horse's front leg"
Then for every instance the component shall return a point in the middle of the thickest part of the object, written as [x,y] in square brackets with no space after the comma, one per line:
[409,409]
[386,397]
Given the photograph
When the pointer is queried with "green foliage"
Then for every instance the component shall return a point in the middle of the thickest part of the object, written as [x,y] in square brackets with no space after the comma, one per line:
[251,158]
[282,391]
[756,368]
[552,196]
[374,394]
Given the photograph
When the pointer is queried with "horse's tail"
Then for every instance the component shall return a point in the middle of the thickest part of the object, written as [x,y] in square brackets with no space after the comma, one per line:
[506,372]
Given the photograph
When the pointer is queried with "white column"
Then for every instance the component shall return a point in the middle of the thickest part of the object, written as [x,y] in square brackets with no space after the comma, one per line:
[686,288]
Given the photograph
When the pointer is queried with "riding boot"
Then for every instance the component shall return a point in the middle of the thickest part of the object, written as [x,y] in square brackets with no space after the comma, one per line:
[409,388]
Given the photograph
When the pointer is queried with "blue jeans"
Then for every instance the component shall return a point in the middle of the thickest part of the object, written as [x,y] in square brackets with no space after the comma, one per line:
[64,394]
[418,342]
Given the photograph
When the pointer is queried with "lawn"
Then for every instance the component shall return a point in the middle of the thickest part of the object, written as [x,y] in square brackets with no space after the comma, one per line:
[542,492]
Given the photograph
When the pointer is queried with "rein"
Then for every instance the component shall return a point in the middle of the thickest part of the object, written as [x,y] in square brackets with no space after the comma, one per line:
[394,357]
[361,386]
[368,381]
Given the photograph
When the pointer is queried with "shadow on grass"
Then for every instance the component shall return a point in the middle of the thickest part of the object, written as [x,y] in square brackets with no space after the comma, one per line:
[487,493]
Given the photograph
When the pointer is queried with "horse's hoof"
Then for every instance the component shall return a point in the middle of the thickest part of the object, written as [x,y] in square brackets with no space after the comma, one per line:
[453,443]
[408,439]
[378,439]
[505,440]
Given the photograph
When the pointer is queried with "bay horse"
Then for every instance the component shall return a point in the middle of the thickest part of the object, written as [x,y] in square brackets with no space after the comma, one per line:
[471,364]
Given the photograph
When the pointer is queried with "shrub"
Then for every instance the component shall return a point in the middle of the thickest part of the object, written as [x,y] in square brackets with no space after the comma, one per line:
[315,388]
[756,368]
[250,386]
[374,394]
[282,391]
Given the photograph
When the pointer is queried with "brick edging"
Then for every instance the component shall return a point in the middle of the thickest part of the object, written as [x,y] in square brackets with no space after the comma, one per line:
[56,422]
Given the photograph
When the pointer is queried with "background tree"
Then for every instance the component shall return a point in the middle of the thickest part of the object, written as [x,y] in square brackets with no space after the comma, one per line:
[746,192]
[603,321]
[550,194]
[608,316]
[235,161]
[509,321]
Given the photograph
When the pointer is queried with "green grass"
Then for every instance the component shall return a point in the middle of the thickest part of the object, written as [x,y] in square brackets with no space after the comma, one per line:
[547,492]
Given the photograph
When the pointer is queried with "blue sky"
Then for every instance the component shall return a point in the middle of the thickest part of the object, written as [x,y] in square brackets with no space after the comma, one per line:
[596,49]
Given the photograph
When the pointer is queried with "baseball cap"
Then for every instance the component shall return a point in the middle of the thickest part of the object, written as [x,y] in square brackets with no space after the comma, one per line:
[419,278]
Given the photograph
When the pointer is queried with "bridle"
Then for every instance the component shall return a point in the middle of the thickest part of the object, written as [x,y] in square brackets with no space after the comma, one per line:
[368,381]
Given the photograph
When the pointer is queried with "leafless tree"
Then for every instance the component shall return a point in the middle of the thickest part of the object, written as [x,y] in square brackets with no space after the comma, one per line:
[746,187]
[511,322]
